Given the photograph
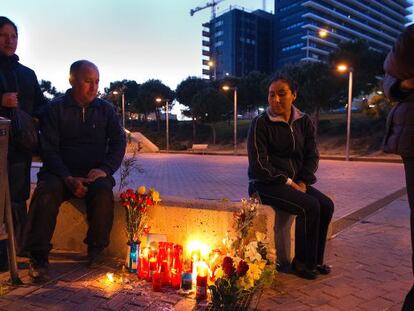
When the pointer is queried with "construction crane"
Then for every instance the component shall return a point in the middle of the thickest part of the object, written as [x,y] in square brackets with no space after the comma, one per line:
[211,4]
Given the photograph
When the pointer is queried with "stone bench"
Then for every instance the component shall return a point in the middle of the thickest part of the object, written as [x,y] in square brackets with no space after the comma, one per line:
[199,147]
[181,220]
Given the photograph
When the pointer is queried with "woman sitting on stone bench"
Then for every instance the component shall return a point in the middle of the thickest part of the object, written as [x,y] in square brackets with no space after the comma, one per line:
[283,158]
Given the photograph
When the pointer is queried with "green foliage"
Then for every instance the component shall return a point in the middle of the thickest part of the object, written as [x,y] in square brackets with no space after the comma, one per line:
[317,87]
[366,63]
[252,91]
[210,105]
[186,91]
[148,92]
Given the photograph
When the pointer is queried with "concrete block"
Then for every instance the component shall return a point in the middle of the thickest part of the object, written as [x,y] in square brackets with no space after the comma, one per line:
[180,220]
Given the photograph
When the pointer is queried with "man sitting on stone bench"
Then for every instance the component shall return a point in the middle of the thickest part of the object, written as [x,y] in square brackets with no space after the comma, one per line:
[83,144]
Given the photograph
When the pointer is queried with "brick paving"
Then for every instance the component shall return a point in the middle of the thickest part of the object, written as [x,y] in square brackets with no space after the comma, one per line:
[371,259]
[371,268]
[215,177]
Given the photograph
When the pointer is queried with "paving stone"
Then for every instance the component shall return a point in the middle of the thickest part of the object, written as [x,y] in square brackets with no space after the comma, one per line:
[346,303]
[376,304]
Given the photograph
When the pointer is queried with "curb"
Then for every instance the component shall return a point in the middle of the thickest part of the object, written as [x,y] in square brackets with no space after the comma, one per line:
[383,159]
[356,216]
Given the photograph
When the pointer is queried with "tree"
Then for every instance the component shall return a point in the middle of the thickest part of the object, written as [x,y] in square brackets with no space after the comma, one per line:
[211,106]
[317,86]
[366,63]
[185,93]
[252,91]
[130,89]
[147,94]
[48,89]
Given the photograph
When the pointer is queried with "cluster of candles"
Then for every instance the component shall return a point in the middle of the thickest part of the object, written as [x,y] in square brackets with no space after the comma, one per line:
[165,266]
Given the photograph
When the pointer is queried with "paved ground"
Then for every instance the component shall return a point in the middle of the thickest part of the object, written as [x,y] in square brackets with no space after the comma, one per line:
[371,259]
[216,177]
[371,268]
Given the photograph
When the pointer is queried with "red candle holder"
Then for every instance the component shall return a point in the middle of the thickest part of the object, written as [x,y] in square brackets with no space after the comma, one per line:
[157,281]
[201,281]
[175,279]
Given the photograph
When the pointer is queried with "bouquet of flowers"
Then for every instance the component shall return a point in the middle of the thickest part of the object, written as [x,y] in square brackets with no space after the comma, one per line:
[136,204]
[247,266]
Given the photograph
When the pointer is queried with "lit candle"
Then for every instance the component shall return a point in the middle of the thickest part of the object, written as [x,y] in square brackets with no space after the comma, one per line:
[143,264]
[156,281]
[152,267]
[201,283]
[175,279]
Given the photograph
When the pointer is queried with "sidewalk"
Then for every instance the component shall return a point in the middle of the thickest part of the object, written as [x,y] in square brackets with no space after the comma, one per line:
[371,259]
[371,268]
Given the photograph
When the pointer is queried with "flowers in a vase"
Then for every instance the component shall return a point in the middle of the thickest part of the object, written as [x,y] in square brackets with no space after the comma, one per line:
[136,204]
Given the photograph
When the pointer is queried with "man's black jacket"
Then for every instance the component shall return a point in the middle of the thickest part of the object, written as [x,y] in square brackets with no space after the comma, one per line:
[75,140]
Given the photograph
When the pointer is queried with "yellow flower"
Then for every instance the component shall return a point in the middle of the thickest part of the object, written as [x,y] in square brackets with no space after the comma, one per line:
[155,195]
[141,190]
[254,272]
[218,273]
[260,237]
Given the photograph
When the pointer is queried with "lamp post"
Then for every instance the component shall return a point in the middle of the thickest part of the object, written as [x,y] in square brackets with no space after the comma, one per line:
[227,88]
[345,68]
[122,104]
[167,122]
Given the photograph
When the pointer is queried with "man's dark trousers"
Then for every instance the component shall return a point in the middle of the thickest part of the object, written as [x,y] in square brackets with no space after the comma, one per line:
[50,192]
[409,179]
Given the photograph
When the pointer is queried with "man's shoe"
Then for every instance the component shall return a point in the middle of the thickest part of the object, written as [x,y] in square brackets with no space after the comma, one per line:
[95,258]
[38,271]
[324,269]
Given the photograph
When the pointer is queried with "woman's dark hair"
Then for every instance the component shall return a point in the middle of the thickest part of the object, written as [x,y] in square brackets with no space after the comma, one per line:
[5,21]
[292,84]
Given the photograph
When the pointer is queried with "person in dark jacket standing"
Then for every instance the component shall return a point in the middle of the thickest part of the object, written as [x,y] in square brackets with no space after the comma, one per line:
[283,159]
[82,145]
[399,138]
[19,89]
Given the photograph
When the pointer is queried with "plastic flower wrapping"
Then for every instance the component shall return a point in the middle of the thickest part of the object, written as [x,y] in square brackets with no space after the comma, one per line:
[136,204]
[247,264]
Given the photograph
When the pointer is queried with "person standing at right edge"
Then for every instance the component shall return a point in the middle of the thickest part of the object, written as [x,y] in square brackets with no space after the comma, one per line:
[399,137]
[283,158]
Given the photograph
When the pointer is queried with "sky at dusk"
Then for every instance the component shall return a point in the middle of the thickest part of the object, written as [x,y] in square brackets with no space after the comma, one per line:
[127,39]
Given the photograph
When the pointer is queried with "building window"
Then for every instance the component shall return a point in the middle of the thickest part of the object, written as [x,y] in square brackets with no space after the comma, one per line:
[292,47]
[218,33]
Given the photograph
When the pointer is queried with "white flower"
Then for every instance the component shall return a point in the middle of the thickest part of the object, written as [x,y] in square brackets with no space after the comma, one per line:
[251,252]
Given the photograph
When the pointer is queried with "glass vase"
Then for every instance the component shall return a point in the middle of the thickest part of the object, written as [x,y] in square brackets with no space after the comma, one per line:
[131,262]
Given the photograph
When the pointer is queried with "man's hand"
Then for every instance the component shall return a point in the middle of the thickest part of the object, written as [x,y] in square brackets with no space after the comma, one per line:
[9,100]
[77,185]
[407,85]
[300,187]
[94,174]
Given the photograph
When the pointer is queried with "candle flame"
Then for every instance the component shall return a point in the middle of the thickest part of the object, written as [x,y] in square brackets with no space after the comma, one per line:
[110,276]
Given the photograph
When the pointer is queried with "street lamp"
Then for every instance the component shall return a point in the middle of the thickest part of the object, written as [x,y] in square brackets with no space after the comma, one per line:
[123,103]
[167,121]
[227,88]
[212,64]
[345,68]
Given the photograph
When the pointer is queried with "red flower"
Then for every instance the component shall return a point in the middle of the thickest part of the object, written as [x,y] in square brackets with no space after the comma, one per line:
[242,268]
[227,266]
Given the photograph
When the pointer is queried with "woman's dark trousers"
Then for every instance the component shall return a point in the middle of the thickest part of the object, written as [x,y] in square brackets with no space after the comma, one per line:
[44,207]
[409,179]
[313,212]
